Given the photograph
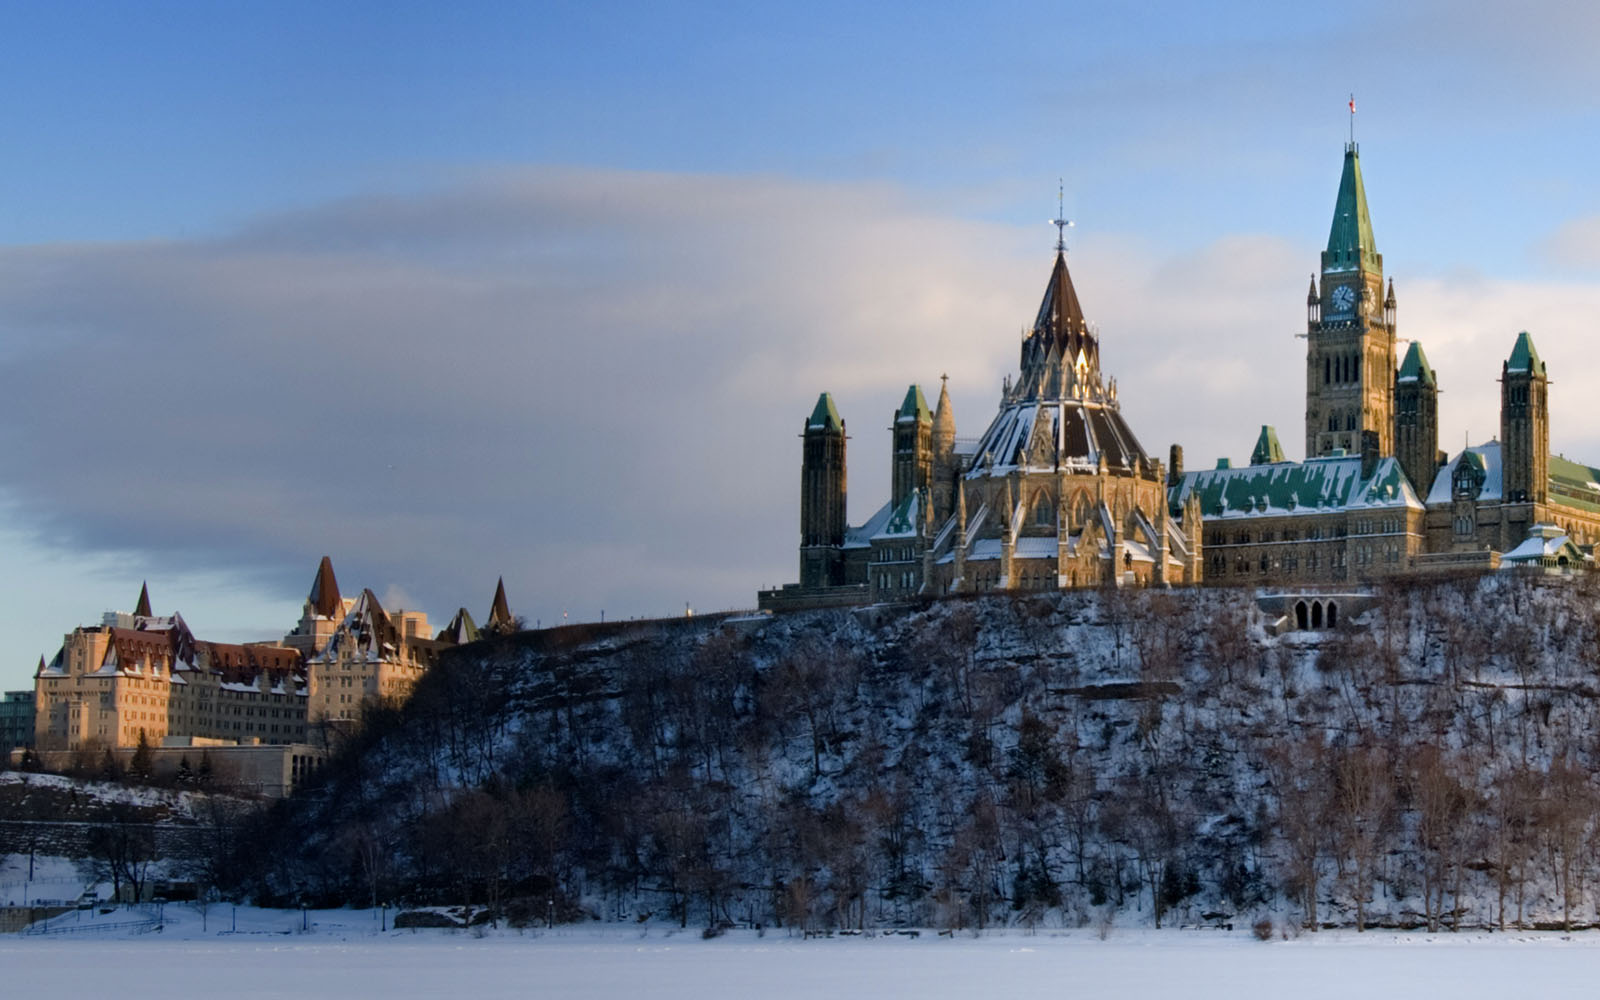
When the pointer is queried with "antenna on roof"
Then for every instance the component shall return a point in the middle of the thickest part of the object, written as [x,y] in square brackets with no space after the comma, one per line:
[1061,222]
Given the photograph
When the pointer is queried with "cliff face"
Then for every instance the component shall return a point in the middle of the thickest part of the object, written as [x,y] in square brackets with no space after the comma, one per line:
[1043,759]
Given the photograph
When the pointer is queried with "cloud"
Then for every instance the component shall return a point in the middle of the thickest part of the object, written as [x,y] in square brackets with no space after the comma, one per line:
[1574,246]
[592,382]
[587,381]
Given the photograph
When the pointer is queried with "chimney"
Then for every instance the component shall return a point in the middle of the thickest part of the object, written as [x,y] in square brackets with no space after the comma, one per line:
[1369,453]
[1174,465]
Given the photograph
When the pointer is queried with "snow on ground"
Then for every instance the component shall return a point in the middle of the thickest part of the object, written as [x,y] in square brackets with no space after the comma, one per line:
[343,955]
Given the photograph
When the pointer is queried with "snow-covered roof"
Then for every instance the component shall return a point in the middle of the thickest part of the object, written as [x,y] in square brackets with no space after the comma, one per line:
[1326,484]
[860,537]
[1037,548]
[1485,458]
[1039,433]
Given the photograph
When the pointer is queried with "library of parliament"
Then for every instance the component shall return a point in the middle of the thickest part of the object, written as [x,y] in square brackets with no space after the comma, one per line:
[1058,493]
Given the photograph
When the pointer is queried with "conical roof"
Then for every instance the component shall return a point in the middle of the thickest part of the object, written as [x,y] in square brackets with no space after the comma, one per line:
[824,416]
[324,598]
[461,630]
[915,407]
[1350,242]
[499,610]
[944,416]
[1524,356]
[142,609]
[1267,451]
[1060,319]
[1415,367]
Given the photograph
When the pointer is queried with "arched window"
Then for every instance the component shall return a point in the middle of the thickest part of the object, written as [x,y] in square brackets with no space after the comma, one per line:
[1300,617]
[1316,614]
[1044,512]
[1333,614]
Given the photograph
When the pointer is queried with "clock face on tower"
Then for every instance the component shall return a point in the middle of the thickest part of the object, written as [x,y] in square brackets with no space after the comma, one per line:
[1343,298]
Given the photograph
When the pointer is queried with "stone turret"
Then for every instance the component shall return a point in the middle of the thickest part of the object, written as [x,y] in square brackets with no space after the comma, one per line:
[1525,424]
[822,497]
[943,437]
[913,448]
[1416,418]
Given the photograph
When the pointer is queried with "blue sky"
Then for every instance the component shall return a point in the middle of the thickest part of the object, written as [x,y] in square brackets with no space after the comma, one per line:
[273,277]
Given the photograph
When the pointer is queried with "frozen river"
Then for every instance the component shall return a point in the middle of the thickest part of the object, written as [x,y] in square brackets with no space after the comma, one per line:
[344,957]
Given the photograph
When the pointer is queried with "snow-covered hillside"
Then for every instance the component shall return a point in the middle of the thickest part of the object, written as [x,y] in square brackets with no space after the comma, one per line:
[1054,760]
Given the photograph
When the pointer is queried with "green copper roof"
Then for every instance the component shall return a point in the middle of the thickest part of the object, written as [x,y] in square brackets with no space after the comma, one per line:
[1415,367]
[1268,450]
[1289,487]
[1350,241]
[825,416]
[1524,357]
[906,518]
[915,407]
[1573,484]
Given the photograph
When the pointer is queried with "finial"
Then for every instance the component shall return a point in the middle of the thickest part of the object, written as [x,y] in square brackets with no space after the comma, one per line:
[1061,222]
[944,379]
[1352,121]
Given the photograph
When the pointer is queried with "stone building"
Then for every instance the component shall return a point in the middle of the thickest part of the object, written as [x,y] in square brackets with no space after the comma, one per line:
[1489,497]
[1375,496]
[16,719]
[146,677]
[1334,519]
[1057,493]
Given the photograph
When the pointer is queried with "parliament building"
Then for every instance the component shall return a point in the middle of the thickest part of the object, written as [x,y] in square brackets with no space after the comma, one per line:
[1058,493]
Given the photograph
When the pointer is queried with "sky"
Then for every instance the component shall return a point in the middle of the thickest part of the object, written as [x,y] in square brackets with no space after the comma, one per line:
[456,292]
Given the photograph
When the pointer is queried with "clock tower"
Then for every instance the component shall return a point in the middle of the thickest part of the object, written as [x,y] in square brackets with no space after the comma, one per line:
[1350,352]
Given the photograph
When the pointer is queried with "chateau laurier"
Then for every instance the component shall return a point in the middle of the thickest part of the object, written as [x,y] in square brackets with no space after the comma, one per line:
[1058,492]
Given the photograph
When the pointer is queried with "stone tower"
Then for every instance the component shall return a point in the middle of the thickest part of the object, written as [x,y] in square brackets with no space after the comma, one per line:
[913,448]
[822,497]
[1524,424]
[1416,419]
[1350,326]
[944,455]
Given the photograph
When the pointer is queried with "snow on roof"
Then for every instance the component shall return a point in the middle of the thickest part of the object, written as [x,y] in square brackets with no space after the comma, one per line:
[1487,458]
[1037,548]
[1333,483]
[861,536]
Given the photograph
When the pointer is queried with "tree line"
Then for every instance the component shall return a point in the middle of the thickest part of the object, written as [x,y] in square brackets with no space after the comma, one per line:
[1030,759]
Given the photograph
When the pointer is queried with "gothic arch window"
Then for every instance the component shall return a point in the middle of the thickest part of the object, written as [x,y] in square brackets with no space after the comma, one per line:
[1080,509]
[1044,512]
[1327,369]
[1301,618]
[1333,614]
[1316,614]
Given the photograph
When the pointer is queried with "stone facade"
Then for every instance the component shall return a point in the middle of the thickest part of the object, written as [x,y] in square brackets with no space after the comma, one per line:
[16,719]
[1057,493]
[1403,506]
[143,676]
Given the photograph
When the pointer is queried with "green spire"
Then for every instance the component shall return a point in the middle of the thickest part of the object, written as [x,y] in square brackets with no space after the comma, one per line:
[1524,357]
[1350,241]
[825,416]
[1268,450]
[914,408]
[1415,367]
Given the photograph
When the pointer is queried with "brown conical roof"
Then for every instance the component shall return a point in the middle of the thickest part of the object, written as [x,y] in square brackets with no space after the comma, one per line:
[142,609]
[324,598]
[499,610]
[1060,318]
